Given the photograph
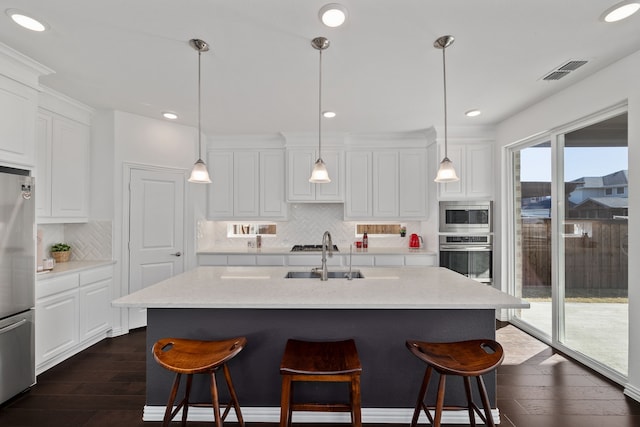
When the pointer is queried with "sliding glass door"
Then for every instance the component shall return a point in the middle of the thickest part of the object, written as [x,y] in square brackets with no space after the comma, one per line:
[568,236]
[532,234]
[593,255]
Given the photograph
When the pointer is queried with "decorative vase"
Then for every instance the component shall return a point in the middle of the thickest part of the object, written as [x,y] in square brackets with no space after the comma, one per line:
[61,256]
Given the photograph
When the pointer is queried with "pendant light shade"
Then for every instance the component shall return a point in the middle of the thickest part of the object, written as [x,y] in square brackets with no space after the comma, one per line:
[319,175]
[446,171]
[199,173]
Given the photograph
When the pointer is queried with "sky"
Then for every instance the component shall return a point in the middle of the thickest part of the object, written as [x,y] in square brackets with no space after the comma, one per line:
[579,162]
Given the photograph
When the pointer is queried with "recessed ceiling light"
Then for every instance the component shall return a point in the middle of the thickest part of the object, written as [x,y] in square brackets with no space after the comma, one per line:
[473,113]
[328,114]
[26,21]
[620,11]
[169,115]
[333,14]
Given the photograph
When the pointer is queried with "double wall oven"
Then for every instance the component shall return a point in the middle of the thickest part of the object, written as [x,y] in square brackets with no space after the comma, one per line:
[466,240]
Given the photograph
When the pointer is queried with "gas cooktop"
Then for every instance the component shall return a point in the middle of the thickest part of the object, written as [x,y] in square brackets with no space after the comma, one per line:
[310,248]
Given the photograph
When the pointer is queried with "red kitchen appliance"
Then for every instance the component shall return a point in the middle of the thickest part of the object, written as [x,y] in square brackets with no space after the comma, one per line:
[414,241]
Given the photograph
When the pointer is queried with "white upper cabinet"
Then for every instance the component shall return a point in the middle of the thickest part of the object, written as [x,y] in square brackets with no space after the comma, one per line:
[246,184]
[220,191]
[473,162]
[18,106]
[412,176]
[63,144]
[300,162]
[359,192]
[386,184]
[272,172]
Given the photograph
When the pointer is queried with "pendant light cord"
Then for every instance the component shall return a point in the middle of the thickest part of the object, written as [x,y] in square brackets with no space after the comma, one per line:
[320,107]
[444,73]
[199,107]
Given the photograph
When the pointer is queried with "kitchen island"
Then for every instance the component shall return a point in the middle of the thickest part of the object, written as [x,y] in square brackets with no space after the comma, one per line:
[380,311]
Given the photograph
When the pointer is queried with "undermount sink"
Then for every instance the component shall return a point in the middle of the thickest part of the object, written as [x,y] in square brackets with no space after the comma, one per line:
[356,274]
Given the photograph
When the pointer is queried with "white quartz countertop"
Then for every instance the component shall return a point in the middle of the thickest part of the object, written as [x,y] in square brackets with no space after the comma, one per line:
[341,251]
[71,267]
[266,287]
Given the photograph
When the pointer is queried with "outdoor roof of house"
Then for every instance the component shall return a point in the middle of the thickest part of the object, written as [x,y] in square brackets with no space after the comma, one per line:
[607,202]
[620,177]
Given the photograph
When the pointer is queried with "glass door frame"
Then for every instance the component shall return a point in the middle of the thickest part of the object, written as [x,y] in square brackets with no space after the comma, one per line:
[556,138]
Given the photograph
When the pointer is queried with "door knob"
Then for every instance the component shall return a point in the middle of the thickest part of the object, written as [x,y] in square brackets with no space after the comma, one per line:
[177,254]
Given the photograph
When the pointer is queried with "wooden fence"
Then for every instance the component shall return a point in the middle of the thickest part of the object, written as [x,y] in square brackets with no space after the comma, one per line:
[596,262]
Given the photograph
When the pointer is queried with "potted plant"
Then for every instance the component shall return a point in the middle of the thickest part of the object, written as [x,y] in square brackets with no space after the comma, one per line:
[403,231]
[60,252]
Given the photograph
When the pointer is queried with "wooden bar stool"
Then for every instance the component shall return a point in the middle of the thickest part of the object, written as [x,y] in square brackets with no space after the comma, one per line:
[466,359]
[184,356]
[326,361]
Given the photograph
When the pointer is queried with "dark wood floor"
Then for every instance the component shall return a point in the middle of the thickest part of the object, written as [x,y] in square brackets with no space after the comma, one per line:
[105,386]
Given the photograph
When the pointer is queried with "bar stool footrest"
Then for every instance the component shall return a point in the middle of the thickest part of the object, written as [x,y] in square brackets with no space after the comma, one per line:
[321,407]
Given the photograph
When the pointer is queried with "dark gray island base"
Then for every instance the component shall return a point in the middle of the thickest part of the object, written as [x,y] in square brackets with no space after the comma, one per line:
[391,376]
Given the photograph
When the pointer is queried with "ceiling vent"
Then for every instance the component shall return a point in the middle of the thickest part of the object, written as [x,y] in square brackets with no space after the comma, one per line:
[564,70]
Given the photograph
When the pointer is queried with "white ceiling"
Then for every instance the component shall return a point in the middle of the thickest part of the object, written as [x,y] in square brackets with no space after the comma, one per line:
[381,73]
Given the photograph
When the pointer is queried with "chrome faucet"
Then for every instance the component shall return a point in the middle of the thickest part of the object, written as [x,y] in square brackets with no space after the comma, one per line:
[349,275]
[326,242]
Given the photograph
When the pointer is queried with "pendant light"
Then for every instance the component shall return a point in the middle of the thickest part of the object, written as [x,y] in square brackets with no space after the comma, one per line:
[319,175]
[446,171]
[199,173]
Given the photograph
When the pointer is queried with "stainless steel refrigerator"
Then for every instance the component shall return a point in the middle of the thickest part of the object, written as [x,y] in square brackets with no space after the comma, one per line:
[17,282]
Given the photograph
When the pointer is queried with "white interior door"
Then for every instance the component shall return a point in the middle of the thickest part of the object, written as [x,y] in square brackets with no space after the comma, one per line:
[156,231]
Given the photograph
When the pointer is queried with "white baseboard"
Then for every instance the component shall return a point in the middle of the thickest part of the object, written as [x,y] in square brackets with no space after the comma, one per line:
[272,415]
[53,361]
[632,392]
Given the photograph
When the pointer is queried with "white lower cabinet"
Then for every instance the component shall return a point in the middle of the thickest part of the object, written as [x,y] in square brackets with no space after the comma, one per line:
[271,260]
[358,259]
[95,301]
[314,260]
[420,260]
[389,260]
[73,311]
[241,260]
[56,325]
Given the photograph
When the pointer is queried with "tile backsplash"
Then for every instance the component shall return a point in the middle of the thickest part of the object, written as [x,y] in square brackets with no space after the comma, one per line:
[306,225]
[90,241]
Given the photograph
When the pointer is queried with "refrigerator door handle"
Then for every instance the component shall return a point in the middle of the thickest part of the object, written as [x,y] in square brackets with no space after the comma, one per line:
[13,326]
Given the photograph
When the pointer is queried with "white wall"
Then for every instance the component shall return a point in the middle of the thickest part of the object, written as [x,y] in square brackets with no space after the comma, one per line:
[610,86]
[139,140]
